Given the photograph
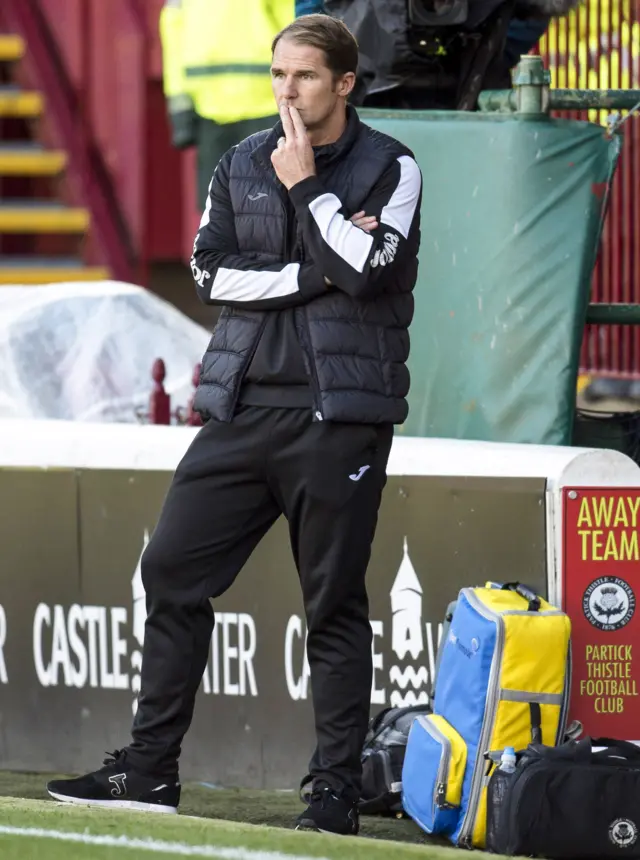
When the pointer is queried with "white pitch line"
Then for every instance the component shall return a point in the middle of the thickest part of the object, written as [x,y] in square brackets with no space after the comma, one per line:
[153,845]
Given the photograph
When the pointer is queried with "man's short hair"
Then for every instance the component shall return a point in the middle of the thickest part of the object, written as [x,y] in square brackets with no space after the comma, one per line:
[330,35]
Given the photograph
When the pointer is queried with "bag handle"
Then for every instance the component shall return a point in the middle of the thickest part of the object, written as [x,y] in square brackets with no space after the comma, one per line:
[385,718]
[615,747]
[582,750]
[536,722]
[573,731]
[524,591]
[387,799]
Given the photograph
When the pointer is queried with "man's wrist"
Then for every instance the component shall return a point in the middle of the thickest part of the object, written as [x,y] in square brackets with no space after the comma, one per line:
[311,282]
[306,190]
[302,179]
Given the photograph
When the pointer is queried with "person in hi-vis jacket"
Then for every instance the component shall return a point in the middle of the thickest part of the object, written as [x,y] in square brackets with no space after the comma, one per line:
[215,67]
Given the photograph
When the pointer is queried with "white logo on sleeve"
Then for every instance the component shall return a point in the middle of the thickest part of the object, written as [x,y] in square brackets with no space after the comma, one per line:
[386,254]
[199,275]
[257,196]
[360,473]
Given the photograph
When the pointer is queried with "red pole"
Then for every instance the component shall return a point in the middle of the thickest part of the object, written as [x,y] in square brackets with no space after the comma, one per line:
[159,401]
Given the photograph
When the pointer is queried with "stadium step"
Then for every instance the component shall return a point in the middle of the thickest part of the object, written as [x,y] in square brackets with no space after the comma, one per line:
[26,157]
[15,102]
[30,160]
[42,216]
[47,270]
[11,48]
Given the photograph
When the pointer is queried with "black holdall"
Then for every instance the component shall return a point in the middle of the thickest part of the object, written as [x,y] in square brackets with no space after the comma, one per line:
[382,760]
[571,801]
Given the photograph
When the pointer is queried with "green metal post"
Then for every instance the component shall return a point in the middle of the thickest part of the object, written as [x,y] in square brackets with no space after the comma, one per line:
[616,314]
[531,83]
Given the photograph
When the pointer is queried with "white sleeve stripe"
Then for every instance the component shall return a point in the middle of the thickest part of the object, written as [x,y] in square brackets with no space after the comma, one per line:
[399,211]
[207,209]
[244,286]
[349,242]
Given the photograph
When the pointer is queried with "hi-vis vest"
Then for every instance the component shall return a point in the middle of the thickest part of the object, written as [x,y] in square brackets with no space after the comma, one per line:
[217,55]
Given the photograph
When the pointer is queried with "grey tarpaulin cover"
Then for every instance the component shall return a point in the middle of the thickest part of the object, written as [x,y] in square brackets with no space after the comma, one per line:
[85,351]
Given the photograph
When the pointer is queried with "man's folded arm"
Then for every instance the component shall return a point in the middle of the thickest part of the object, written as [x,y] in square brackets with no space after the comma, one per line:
[224,276]
[362,264]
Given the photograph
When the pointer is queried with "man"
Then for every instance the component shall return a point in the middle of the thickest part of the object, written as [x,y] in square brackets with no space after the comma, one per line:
[300,387]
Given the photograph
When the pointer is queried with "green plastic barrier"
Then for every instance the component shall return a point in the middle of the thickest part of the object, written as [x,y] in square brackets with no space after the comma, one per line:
[511,222]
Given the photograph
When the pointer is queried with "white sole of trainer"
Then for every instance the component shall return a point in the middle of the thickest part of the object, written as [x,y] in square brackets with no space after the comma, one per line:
[133,805]
[307,829]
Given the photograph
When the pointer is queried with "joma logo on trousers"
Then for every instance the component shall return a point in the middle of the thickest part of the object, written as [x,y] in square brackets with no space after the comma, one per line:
[360,473]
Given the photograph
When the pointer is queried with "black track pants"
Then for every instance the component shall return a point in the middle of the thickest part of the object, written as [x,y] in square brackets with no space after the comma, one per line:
[230,487]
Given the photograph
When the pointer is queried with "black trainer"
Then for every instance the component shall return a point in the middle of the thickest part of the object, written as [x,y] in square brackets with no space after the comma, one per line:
[329,811]
[117,785]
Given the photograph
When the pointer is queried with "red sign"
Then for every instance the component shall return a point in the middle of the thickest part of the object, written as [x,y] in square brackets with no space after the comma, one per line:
[601,590]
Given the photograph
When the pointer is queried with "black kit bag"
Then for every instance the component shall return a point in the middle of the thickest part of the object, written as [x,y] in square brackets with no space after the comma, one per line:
[570,801]
[382,760]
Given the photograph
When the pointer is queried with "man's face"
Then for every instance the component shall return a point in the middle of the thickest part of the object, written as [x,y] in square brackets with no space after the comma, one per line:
[300,77]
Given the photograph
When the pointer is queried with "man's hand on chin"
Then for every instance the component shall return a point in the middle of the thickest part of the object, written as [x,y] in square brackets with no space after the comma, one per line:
[293,158]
